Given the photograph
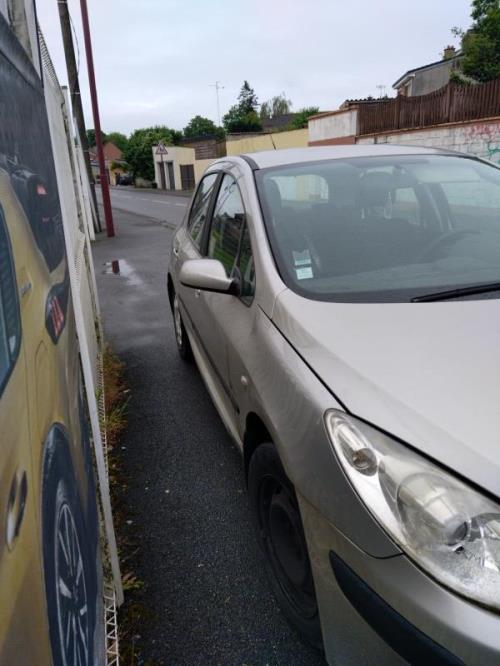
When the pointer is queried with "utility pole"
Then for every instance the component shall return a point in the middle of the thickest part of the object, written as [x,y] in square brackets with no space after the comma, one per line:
[108,214]
[76,100]
[217,87]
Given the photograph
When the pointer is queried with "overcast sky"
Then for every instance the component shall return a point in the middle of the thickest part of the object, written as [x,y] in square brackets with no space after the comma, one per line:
[155,59]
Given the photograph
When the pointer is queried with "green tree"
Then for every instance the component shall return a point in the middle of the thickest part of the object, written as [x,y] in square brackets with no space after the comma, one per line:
[119,139]
[139,153]
[301,118]
[247,99]
[200,126]
[243,116]
[481,43]
[276,106]
[91,137]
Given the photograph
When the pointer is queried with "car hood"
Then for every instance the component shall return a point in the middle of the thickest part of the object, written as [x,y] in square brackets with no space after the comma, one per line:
[428,373]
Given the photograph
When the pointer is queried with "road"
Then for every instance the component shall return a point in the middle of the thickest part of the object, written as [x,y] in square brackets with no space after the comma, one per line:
[186,508]
[168,208]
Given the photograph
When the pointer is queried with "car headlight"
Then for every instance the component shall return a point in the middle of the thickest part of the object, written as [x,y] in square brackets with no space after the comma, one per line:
[448,528]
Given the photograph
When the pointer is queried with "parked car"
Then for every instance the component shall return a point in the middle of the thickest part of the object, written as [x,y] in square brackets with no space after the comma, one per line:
[50,574]
[342,305]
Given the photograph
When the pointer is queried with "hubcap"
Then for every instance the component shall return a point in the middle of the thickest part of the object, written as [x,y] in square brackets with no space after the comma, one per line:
[72,607]
[285,545]
[177,322]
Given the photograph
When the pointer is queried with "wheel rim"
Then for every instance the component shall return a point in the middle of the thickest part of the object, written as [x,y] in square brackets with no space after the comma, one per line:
[71,593]
[285,545]
[177,322]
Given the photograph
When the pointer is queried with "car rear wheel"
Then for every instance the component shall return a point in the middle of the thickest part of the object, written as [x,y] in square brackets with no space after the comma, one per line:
[67,565]
[282,540]
[181,338]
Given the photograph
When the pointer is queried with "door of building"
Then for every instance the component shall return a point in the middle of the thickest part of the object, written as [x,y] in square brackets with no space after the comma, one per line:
[187,176]
[163,183]
[171,179]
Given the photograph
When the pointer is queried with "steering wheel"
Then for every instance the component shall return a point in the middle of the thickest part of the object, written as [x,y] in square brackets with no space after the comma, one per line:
[443,239]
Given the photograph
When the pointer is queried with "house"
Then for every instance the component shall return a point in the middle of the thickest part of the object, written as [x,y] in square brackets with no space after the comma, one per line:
[113,159]
[426,79]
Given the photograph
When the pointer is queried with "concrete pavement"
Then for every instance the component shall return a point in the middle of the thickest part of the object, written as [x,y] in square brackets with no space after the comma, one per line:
[186,500]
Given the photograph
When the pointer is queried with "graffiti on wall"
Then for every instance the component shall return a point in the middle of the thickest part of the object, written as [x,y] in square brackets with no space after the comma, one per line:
[484,140]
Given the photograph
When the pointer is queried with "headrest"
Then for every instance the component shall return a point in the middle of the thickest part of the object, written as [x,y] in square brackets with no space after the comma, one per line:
[273,195]
[375,188]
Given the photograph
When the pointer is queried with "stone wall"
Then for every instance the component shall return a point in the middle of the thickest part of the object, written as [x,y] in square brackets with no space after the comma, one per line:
[479,137]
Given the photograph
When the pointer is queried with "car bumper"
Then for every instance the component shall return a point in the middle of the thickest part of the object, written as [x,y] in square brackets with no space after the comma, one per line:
[387,611]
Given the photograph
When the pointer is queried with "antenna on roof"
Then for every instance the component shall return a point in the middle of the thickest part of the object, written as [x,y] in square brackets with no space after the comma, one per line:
[272,141]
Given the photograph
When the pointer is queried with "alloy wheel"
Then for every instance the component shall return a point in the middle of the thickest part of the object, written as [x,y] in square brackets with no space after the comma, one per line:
[71,594]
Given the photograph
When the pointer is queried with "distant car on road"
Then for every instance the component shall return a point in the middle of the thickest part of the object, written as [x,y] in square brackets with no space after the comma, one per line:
[342,305]
[125,179]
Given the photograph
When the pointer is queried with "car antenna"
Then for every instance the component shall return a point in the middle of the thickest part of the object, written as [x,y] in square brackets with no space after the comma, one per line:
[272,141]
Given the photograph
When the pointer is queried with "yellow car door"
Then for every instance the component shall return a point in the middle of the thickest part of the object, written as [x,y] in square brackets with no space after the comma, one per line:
[23,625]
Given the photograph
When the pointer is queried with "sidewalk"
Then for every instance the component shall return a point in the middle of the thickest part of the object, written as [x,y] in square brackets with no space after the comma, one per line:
[206,596]
[156,190]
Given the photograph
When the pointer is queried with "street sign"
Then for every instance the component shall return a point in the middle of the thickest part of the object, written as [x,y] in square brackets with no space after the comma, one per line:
[161,149]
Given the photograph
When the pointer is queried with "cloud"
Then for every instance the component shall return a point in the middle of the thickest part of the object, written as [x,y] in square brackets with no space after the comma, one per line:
[155,59]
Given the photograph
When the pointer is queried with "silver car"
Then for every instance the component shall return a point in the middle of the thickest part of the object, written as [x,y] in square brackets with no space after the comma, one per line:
[342,305]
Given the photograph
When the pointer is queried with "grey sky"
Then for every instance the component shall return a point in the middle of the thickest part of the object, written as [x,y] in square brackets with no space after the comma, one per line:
[155,59]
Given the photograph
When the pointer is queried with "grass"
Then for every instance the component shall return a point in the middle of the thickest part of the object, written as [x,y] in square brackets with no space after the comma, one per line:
[133,614]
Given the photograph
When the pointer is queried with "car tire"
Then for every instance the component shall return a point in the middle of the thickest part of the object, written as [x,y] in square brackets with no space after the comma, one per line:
[69,570]
[181,338]
[281,537]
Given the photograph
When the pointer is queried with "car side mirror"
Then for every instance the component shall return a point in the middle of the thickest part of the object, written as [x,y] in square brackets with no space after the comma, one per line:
[208,275]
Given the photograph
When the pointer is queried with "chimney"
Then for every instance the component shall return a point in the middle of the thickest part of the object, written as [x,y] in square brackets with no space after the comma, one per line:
[449,52]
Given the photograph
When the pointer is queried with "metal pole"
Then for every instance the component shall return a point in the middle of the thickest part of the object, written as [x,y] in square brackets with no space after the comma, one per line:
[97,123]
[76,100]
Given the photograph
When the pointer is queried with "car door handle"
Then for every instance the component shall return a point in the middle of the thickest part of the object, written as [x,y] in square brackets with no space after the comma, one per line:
[15,508]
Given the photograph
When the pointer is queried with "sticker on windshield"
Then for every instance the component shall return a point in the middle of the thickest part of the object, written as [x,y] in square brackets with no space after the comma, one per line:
[304,273]
[301,258]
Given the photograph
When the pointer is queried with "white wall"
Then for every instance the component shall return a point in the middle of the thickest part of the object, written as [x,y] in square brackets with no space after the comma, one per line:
[177,155]
[333,126]
[480,138]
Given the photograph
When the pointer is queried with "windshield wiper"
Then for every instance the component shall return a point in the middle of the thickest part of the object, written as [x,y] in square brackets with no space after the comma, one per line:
[456,293]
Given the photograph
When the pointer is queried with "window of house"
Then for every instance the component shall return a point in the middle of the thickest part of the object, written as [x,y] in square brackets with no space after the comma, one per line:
[199,209]
[10,325]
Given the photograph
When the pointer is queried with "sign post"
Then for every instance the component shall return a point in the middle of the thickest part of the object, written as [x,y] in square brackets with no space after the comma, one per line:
[161,150]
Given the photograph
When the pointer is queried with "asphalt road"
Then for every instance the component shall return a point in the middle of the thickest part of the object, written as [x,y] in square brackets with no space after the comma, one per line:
[168,208]
[186,504]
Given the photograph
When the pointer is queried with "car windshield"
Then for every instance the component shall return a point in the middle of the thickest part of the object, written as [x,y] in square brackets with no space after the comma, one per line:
[383,229]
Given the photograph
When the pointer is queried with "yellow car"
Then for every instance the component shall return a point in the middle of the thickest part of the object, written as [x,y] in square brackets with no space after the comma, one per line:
[50,580]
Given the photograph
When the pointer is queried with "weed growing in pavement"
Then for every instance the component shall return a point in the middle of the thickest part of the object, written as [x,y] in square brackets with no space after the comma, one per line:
[133,614]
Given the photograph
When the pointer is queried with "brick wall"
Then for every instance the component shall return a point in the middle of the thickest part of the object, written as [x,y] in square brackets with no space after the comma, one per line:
[479,137]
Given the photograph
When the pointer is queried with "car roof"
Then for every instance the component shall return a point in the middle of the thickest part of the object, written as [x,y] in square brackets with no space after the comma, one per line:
[272,158]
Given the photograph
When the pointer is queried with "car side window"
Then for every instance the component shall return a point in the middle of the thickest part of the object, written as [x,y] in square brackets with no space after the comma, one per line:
[199,209]
[229,240]
[10,323]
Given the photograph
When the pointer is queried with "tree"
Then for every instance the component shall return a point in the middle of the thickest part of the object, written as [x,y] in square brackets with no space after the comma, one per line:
[243,117]
[481,43]
[301,118]
[247,99]
[138,153]
[278,105]
[91,137]
[200,126]
[119,139]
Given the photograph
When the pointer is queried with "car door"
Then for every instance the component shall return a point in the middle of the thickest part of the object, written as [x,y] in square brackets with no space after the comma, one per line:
[187,244]
[228,242]
[21,606]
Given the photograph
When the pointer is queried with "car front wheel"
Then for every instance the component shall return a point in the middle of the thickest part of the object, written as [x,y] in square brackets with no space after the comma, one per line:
[282,540]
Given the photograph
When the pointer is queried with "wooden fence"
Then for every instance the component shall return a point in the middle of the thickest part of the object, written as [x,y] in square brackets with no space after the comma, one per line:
[452,103]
